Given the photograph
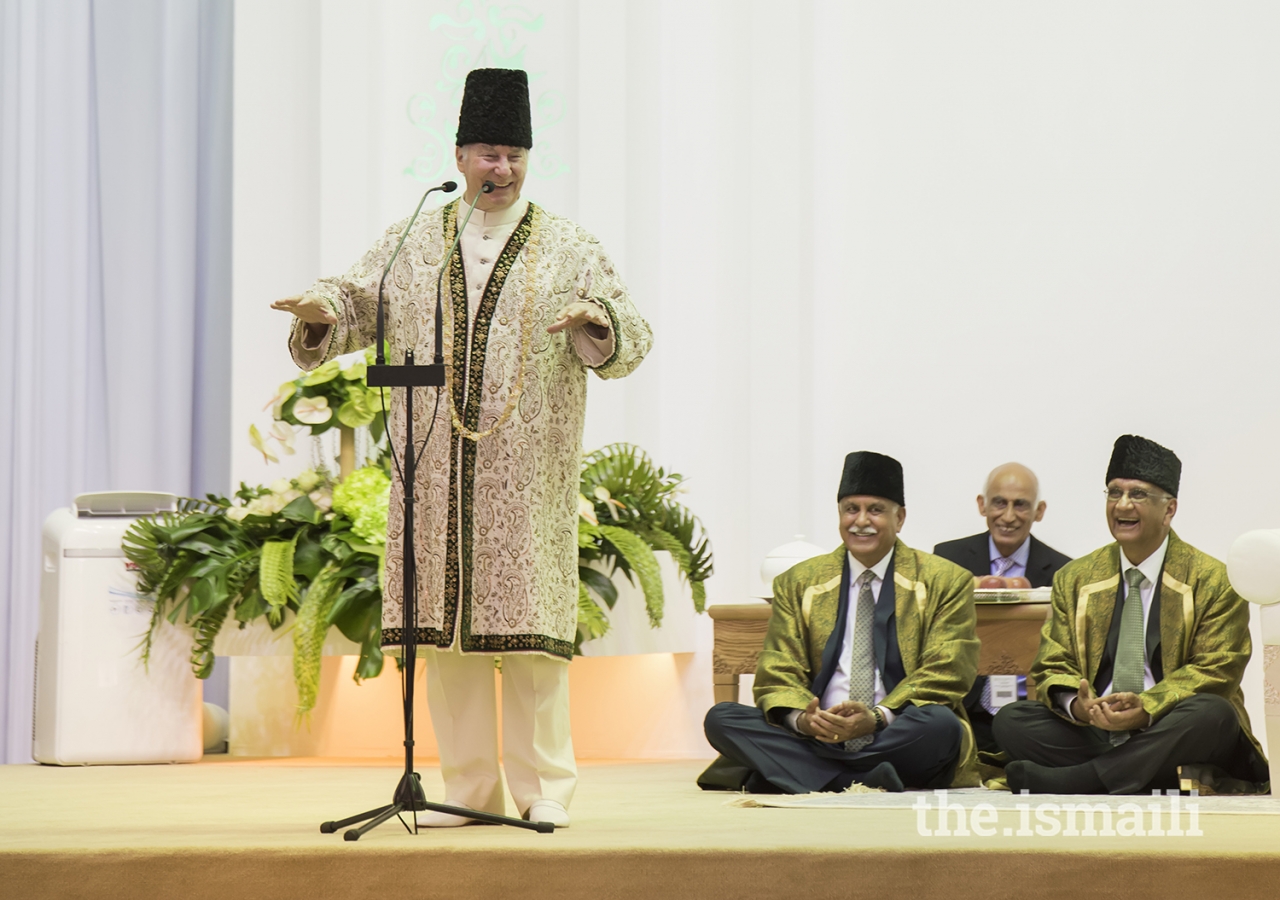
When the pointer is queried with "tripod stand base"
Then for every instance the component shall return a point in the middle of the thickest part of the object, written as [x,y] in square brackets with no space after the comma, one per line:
[410,798]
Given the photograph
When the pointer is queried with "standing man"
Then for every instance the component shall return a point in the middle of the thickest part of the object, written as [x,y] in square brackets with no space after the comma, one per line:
[1140,663]
[869,651]
[532,302]
[1011,504]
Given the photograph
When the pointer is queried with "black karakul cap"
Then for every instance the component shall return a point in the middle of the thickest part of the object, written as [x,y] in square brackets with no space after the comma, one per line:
[873,474]
[495,109]
[1143,460]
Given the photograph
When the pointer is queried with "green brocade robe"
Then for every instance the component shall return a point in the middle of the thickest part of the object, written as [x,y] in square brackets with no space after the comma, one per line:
[1204,630]
[937,637]
[496,523]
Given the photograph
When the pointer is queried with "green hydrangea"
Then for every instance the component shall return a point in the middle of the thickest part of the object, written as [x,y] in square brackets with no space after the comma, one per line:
[363,497]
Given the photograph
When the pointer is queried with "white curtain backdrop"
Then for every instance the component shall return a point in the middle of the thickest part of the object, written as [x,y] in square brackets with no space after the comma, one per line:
[956,233]
[114,275]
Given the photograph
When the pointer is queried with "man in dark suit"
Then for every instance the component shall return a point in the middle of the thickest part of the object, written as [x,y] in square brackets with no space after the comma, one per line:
[1011,504]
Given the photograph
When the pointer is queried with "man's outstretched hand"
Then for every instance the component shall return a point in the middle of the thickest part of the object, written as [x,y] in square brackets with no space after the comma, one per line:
[580,313]
[311,310]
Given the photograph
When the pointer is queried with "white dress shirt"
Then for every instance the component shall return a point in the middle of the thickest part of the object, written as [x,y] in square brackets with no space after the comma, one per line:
[838,687]
[1150,569]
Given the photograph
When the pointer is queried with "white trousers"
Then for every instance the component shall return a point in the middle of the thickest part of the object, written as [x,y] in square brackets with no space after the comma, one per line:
[537,746]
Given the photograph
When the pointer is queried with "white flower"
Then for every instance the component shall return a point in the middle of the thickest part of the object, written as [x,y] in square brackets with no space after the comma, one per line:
[284,433]
[602,493]
[308,480]
[255,438]
[237,513]
[323,501]
[587,510]
[277,402]
[280,485]
[312,410]
[268,505]
[290,495]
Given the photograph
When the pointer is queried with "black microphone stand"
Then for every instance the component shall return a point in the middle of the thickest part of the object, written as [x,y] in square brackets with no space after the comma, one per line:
[409,796]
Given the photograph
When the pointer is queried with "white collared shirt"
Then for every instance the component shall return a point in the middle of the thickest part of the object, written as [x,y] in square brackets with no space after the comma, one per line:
[1019,557]
[838,687]
[1150,569]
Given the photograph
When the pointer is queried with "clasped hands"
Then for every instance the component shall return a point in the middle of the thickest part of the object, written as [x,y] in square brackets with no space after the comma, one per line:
[843,722]
[1115,712]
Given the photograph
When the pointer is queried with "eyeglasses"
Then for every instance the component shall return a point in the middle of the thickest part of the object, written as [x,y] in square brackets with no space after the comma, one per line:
[1137,496]
[1000,504]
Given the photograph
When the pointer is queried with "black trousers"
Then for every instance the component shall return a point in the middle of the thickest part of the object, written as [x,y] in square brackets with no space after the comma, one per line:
[1202,729]
[923,744]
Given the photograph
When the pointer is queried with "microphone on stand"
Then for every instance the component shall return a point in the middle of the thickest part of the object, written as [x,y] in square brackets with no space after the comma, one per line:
[486,188]
[380,357]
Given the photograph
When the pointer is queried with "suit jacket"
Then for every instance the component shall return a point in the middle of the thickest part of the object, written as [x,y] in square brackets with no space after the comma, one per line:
[933,626]
[974,554]
[1203,638]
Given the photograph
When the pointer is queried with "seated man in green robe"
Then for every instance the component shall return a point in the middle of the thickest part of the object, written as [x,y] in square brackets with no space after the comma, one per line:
[1139,666]
[869,654]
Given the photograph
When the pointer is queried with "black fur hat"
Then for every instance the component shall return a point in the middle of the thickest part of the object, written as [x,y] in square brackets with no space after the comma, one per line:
[1138,458]
[495,109]
[873,474]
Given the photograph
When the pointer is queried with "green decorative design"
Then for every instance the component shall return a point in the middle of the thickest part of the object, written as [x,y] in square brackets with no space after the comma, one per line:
[483,35]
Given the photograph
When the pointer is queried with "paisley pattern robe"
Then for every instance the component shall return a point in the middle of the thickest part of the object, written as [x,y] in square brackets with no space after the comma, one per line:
[1204,629]
[937,637]
[496,519]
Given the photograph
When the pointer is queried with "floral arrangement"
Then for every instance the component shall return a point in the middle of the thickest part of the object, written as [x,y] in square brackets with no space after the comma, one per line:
[303,545]
[627,510]
[315,547]
[332,395]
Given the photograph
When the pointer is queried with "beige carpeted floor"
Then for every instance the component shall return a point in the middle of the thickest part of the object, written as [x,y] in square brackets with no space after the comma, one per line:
[250,829]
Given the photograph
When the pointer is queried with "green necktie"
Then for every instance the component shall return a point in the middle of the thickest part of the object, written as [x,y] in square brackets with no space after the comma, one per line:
[862,659]
[1129,674]
[1131,648]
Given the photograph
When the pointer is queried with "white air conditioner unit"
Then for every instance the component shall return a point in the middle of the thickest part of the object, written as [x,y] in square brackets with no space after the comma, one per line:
[95,701]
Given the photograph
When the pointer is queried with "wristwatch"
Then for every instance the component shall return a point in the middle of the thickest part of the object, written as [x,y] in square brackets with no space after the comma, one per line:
[881,724]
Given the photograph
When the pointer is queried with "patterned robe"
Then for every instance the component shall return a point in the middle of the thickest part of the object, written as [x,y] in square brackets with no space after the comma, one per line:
[496,519]
[1204,629]
[937,637]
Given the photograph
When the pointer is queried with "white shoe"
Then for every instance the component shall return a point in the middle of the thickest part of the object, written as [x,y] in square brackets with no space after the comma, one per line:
[548,811]
[430,818]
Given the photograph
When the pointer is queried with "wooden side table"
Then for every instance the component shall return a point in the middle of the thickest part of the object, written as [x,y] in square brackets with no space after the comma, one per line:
[1009,632]
[739,637]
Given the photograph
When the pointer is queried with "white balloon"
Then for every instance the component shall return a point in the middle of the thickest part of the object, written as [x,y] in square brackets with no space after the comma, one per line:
[217,727]
[1253,566]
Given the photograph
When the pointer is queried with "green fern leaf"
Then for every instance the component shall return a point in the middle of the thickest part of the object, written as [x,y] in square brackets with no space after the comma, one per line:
[640,558]
[275,573]
[309,633]
[592,622]
[207,625]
